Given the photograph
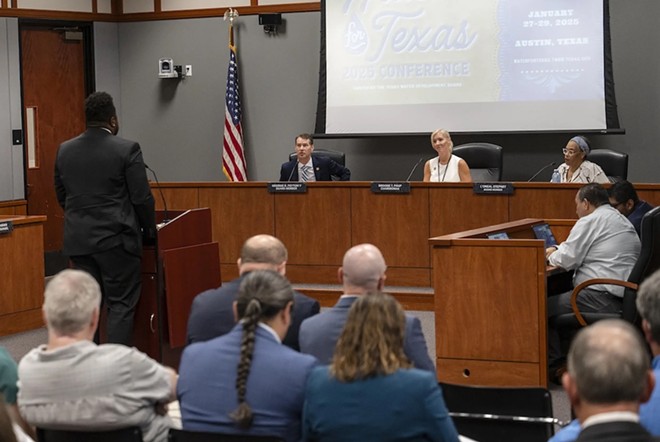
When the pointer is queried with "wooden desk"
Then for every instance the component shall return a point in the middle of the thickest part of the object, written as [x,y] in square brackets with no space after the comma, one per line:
[490,306]
[21,274]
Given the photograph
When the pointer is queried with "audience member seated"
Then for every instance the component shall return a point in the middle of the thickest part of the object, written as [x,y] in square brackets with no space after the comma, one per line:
[362,271]
[576,168]
[445,168]
[608,378]
[370,391]
[308,168]
[247,382]
[648,305]
[623,198]
[602,244]
[71,383]
[9,389]
[212,315]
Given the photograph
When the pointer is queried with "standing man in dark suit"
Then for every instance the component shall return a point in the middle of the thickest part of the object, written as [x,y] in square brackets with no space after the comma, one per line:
[101,184]
[212,314]
[307,168]
[608,377]
[362,272]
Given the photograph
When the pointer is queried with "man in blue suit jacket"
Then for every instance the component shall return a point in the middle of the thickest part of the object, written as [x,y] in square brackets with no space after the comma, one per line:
[362,271]
[324,168]
[211,314]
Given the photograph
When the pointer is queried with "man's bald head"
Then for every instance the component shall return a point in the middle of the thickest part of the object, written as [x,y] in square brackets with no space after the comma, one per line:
[262,252]
[363,269]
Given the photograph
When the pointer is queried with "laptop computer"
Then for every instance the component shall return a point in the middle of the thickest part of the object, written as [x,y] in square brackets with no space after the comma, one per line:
[498,235]
[543,231]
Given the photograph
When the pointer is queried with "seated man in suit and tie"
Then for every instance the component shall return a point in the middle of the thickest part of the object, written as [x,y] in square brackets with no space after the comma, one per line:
[363,271]
[307,168]
[211,314]
[608,377]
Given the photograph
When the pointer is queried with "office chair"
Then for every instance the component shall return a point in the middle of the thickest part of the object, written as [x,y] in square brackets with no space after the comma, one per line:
[484,160]
[501,413]
[199,436]
[647,263]
[613,163]
[334,155]
[129,434]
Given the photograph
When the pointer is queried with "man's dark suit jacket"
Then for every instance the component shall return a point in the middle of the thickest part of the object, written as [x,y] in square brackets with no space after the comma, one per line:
[101,183]
[212,315]
[616,432]
[319,335]
[324,170]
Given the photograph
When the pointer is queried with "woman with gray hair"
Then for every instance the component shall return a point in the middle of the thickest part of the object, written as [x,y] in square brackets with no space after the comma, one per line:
[246,382]
[576,168]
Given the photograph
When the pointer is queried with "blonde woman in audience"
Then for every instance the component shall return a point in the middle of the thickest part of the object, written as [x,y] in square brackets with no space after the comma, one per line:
[370,392]
[446,167]
[247,382]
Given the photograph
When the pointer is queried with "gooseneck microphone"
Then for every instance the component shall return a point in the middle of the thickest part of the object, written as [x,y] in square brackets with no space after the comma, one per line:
[162,197]
[541,170]
[414,168]
[295,166]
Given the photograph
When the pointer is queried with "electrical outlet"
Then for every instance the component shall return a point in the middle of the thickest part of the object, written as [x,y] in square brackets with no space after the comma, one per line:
[188,70]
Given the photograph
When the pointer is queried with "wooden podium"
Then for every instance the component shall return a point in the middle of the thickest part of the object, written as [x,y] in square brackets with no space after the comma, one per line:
[490,305]
[184,262]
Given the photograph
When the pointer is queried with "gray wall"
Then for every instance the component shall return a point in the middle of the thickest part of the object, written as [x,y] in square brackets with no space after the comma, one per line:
[11,157]
[179,123]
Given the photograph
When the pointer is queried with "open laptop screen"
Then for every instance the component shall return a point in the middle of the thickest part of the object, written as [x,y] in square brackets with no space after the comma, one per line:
[543,231]
[498,235]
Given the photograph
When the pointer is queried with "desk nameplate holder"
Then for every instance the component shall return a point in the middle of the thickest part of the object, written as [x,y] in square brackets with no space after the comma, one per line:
[493,188]
[6,227]
[390,188]
[287,187]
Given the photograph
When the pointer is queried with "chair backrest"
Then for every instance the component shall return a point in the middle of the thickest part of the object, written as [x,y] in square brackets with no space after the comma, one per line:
[484,160]
[130,434]
[613,163]
[201,436]
[334,155]
[647,263]
[468,404]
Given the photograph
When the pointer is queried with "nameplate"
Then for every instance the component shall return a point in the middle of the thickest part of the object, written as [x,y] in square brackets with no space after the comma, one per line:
[6,227]
[280,187]
[490,188]
[390,188]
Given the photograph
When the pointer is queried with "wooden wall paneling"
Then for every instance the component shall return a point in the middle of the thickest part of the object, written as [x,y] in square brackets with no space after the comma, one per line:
[397,224]
[315,226]
[177,198]
[238,212]
[455,208]
[22,275]
[17,207]
[543,201]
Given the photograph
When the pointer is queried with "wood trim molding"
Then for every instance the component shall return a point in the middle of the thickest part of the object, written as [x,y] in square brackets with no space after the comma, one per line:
[118,15]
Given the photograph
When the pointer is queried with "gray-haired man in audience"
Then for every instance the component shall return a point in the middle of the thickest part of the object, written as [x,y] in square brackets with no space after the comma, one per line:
[73,383]
[608,377]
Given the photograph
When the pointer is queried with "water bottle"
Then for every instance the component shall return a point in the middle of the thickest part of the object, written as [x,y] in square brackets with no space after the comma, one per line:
[556,177]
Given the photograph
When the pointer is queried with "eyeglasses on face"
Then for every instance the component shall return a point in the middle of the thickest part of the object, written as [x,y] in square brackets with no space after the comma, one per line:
[570,153]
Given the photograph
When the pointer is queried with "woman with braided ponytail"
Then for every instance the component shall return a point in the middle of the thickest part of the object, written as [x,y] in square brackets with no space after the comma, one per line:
[247,382]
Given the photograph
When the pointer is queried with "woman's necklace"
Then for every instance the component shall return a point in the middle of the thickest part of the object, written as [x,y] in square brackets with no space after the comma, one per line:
[442,180]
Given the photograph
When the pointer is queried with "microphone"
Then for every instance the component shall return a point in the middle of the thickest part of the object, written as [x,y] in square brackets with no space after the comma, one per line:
[541,170]
[162,197]
[414,168]
[295,166]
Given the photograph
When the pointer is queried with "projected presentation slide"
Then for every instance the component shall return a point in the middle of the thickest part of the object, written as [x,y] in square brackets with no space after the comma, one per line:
[474,65]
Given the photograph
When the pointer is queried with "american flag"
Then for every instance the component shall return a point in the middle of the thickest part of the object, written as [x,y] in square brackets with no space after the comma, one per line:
[233,158]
